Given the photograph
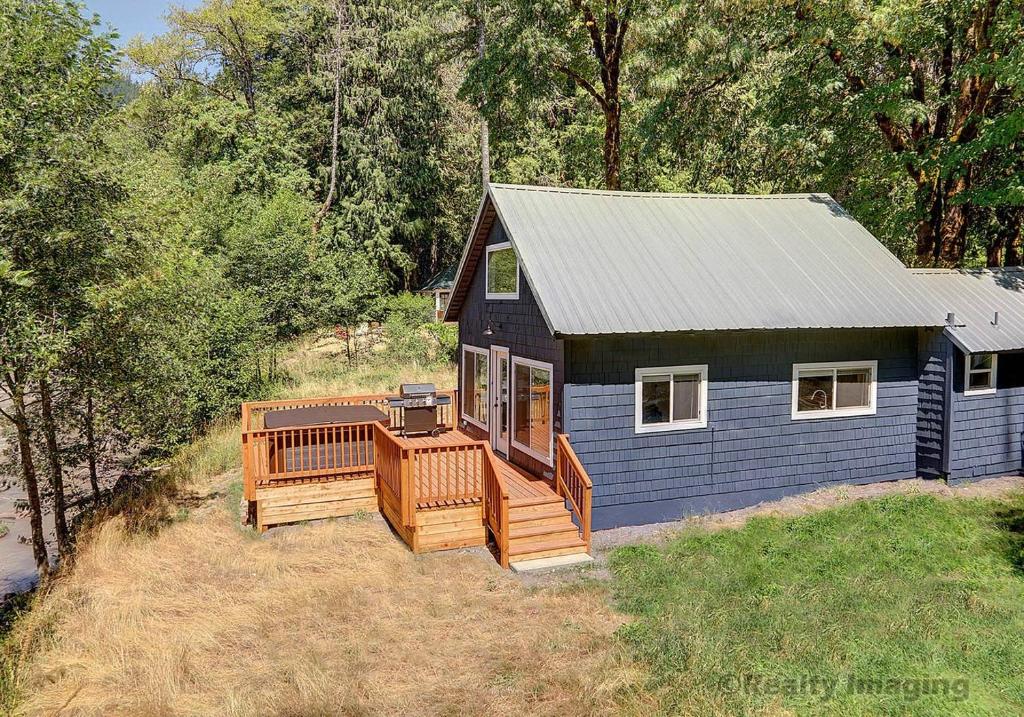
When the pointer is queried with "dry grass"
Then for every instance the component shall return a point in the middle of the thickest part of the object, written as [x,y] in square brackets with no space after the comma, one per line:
[204,617]
[317,368]
[331,618]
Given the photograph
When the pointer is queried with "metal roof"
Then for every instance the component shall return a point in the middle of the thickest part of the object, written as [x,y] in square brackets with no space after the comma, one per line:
[973,297]
[441,280]
[625,262]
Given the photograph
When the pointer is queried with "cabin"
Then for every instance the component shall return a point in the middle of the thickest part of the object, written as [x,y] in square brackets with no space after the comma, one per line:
[701,353]
[439,288]
[628,358]
[972,375]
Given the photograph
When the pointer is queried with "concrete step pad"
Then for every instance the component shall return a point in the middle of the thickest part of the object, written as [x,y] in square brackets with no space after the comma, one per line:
[559,561]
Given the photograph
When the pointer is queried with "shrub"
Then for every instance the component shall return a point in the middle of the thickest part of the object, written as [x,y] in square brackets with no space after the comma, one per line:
[411,334]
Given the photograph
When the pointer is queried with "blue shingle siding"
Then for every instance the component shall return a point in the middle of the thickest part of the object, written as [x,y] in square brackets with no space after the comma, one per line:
[986,430]
[752,449]
[934,351]
[518,326]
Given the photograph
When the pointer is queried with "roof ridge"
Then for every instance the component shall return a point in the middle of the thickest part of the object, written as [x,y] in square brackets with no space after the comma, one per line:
[653,195]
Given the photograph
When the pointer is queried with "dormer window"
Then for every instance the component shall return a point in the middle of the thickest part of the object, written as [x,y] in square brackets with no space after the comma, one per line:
[502,272]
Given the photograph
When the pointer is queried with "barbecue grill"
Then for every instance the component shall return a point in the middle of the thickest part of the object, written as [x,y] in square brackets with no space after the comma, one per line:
[419,402]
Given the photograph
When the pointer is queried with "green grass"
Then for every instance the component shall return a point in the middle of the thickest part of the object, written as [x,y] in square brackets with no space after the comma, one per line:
[4,529]
[902,590]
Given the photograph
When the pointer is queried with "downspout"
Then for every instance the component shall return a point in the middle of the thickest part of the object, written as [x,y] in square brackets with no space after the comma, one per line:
[947,409]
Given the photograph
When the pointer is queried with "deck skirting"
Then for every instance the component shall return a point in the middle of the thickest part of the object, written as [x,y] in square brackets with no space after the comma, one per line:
[279,505]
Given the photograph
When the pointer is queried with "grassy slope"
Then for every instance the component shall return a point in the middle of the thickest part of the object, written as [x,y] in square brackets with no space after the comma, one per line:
[202,616]
[901,587]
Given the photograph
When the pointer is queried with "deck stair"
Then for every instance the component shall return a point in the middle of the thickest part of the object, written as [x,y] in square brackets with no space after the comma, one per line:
[542,527]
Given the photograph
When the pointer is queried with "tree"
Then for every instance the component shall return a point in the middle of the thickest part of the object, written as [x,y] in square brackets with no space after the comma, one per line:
[55,77]
[940,85]
[539,47]
[223,45]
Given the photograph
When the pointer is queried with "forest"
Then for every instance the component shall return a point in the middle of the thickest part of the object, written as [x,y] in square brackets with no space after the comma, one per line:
[172,213]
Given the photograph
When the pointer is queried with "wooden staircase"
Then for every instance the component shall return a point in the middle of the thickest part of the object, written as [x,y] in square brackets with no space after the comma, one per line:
[542,527]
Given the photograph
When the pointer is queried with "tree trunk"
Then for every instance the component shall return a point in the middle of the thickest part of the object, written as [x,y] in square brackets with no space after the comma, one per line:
[60,520]
[612,146]
[90,448]
[1011,223]
[954,223]
[28,474]
[340,11]
[485,131]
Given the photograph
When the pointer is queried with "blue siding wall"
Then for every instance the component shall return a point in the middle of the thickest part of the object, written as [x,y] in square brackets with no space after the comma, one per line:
[518,326]
[934,351]
[751,450]
[986,431]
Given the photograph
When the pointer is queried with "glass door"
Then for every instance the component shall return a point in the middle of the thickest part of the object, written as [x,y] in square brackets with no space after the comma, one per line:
[500,399]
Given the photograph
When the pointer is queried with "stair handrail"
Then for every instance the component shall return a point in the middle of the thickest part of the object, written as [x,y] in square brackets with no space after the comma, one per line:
[496,501]
[573,484]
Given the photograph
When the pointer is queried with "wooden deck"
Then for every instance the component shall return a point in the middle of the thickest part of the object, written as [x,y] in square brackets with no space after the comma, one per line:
[441,492]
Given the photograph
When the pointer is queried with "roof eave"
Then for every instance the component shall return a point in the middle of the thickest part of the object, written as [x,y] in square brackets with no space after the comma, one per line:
[449,314]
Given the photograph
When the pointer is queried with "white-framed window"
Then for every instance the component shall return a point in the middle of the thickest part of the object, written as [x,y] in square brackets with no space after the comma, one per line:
[533,409]
[475,381]
[980,374]
[670,398]
[834,390]
[502,272]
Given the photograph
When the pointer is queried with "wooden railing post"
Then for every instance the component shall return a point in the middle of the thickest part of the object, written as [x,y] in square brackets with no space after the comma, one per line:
[587,505]
[503,548]
[249,480]
[408,489]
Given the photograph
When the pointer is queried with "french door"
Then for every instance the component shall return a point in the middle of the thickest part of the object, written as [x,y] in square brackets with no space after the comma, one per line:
[499,392]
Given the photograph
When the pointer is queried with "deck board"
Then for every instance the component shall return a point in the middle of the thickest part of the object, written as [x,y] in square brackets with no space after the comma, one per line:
[522,485]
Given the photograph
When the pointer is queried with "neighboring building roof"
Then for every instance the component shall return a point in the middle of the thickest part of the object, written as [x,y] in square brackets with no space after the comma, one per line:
[442,280]
[974,297]
[626,262]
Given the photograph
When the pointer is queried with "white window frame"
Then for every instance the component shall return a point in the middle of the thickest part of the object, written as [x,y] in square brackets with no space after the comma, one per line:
[834,366]
[548,459]
[702,409]
[487,273]
[462,400]
[988,390]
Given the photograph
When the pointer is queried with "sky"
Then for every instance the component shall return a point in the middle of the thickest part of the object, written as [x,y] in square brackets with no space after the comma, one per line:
[135,17]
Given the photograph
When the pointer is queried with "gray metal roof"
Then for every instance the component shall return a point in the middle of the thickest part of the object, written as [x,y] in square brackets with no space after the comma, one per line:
[443,279]
[973,296]
[624,262]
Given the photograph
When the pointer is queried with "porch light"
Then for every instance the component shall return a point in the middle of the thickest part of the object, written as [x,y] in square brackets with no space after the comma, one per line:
[488,331]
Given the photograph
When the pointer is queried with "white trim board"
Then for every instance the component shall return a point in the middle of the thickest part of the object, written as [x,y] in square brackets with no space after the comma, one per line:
[988,390]
[547,460]
[490,249]
[830,368]
[462,395]
[702,410]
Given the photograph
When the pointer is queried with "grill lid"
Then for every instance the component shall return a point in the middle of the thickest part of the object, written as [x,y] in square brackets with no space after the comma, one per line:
[417,389]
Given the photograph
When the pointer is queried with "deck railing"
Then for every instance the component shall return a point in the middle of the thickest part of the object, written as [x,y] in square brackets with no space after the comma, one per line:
[426,477]
[448,474]
[253,412]
[305,454]
[496,504]
[391,462]
[573,484]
